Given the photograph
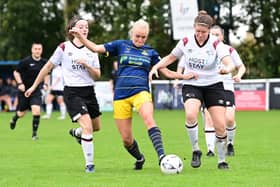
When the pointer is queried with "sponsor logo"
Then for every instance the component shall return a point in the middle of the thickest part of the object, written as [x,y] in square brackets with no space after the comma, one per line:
[220,101]
[190,95]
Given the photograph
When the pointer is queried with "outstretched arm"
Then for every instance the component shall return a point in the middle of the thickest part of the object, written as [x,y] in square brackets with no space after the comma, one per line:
[89,44]
[241,71]
[164,62]
[176,75]
[43,73]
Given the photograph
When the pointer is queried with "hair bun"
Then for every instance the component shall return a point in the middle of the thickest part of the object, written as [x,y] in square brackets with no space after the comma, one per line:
[202,13]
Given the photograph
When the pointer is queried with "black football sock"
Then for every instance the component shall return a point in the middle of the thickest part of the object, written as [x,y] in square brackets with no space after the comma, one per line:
[134,150]
[35,124]
[15,117]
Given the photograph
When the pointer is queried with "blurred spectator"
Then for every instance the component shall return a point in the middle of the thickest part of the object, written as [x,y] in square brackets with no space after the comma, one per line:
[4,95]
[13,91]
[55,91]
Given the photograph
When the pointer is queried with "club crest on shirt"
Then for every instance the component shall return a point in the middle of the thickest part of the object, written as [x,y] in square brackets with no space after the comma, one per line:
[144,53]
[127,49]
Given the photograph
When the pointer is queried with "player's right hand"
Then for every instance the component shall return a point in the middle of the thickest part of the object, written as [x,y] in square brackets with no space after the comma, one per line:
[153,72]
[28,92]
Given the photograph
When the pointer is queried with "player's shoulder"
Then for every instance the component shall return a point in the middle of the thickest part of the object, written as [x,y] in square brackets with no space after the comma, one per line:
[118,42]
[214,41]
[230,49]
[44,60]
[64,44]
[187,39]
[26,60]
[149,47]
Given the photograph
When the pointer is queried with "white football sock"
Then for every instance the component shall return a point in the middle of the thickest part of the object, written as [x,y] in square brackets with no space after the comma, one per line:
[231,134]
[49,108]
[88,149]
[221,148]
[63,110]
[192,130]
[210,138]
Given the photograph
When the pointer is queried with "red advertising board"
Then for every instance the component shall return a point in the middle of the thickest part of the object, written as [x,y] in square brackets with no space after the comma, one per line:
[250,96]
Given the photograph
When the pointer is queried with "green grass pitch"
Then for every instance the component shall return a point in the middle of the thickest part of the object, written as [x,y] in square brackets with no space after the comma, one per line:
[57,160]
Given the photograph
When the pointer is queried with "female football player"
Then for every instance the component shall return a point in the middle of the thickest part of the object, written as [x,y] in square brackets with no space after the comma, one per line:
[228,80]
[80,68]
[202,52]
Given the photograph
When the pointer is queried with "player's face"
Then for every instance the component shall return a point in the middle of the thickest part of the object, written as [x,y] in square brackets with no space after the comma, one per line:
[139,36]
[36,51]
[201,33]
[82,26]
[217,32]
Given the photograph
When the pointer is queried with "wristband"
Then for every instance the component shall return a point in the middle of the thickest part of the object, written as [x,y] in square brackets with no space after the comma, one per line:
[19,83]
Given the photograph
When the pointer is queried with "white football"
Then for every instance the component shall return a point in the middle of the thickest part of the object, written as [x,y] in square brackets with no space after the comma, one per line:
[171,164]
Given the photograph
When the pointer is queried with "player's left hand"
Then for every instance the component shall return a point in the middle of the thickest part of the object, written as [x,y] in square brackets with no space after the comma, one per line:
[190,75]
[236,78]
[82,61]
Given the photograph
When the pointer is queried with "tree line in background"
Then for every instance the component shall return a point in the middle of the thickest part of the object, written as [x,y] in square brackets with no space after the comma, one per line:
[23,22]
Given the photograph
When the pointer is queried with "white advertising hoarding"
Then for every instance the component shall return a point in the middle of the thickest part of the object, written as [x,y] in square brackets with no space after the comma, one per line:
[183,13]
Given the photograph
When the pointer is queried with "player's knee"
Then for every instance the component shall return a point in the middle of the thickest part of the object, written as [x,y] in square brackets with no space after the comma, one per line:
[127,141]
[191,120]
[87,129]
[149,122]
[220,130]
[230,122]
[191,116]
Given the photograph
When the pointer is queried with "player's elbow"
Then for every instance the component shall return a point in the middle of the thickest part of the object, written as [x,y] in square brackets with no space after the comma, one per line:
[98,75]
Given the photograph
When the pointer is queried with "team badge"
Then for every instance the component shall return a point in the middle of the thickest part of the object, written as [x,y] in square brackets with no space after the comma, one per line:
[144,53]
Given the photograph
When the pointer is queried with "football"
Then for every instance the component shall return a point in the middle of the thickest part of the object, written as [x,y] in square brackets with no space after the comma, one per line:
[171,164]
